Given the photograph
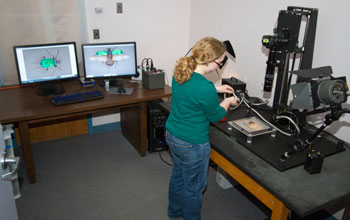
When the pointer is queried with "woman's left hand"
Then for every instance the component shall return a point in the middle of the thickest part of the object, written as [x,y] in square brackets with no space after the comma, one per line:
[224,89]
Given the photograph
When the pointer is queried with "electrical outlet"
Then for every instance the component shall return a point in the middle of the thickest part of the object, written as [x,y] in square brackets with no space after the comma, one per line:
[98,10]
[119,7]
[96,34]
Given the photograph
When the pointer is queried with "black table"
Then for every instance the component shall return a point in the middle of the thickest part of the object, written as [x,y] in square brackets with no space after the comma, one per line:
[294,189]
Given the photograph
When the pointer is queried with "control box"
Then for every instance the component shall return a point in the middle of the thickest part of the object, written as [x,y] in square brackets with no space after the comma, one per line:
[236,84]
[313,162]
[153,79]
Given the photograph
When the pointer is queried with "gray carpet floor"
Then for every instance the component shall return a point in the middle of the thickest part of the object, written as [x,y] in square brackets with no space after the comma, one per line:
[101,176]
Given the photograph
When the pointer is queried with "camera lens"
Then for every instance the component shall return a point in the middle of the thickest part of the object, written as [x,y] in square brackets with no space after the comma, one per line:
[268,82]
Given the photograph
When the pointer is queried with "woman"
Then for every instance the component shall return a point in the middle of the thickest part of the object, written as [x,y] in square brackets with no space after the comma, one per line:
[195,104]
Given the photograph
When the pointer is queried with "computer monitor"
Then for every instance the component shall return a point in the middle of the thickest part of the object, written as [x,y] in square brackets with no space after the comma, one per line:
[110,61]
[46,64]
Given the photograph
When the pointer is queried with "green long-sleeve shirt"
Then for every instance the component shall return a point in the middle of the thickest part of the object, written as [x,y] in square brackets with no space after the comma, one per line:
[194,105]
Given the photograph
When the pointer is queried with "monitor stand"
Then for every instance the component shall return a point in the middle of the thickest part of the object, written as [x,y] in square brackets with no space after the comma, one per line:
[110,83]
[50,88]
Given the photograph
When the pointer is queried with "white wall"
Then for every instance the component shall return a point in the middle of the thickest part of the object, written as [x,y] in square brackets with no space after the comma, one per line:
[164,30]
[37,22]
[245,22]
[159,27]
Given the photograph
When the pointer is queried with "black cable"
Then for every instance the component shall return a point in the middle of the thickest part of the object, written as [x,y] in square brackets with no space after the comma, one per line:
[142,62]
[188,52]
[148,62]
[217,72]
[166,162]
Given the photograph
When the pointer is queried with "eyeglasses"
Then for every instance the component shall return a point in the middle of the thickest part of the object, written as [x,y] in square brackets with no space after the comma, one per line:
[222,63]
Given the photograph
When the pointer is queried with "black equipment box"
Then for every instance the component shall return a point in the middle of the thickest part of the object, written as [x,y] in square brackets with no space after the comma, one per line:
[156,127]
[313,162]
[153,79]
[236,84]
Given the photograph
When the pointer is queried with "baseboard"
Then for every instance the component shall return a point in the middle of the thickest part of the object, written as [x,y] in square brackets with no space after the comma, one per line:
[104,128]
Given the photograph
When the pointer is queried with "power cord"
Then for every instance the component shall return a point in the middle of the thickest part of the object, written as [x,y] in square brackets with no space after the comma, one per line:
[162,159]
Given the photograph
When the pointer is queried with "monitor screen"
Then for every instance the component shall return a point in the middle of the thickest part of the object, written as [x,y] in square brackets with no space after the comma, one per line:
[37,63]
[110,60]
[46,64]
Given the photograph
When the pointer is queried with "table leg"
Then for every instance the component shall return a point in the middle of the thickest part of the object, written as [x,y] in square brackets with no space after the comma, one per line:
[347,213]
[27,150]
[279,211]
[134,126]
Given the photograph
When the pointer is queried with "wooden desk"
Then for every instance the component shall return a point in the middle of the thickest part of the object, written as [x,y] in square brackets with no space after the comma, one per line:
[23,107]
[294,189]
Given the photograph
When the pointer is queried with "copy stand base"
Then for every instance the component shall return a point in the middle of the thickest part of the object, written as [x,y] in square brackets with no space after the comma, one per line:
[270,148]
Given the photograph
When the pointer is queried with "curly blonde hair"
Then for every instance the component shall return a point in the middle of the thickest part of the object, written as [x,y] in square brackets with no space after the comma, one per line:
[204,51]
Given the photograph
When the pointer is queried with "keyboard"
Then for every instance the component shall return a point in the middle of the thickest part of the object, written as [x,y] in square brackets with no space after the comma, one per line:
[76,97]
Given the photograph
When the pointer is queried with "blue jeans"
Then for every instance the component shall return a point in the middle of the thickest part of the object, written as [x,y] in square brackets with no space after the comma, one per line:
[189,177]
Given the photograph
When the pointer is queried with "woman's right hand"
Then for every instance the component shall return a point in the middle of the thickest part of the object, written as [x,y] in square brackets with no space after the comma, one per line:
[233,100]
[229,101]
